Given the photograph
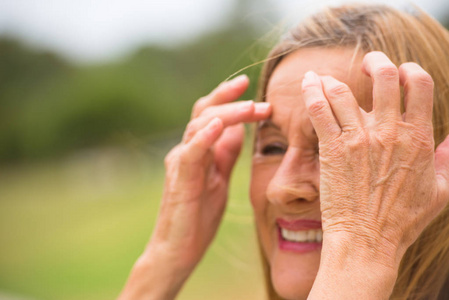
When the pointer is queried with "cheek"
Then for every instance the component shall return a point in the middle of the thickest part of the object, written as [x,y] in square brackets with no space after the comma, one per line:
[260,178]
[263,210]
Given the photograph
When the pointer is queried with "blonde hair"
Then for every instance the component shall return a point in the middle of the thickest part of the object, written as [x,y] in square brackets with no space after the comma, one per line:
[403,37]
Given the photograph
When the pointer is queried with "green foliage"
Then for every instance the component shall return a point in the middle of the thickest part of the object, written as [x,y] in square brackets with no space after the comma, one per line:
[50,107]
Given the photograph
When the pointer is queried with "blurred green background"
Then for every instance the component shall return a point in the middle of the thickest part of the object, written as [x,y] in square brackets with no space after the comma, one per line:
[81,173]
[81,170]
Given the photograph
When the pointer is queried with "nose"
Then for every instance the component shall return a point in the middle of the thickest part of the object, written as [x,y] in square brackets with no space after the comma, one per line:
[296,179]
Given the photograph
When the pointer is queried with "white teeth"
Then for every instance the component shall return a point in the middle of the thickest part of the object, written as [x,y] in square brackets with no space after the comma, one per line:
[319,236]
[311,235]
[303,235]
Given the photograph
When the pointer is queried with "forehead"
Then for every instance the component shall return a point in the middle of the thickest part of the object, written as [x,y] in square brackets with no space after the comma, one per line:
[284,86]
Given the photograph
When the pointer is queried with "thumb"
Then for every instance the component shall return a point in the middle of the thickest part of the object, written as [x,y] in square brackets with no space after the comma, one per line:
[442,169]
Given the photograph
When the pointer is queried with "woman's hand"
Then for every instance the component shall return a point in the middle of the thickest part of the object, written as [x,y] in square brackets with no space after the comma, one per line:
[381,182]
[195,192]
[198,172]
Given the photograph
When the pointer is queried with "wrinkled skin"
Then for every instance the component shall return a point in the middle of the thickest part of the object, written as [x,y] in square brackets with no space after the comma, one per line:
[338,150]
[285,181]
[375,181]
[198,171]
[381,182]
[195,191]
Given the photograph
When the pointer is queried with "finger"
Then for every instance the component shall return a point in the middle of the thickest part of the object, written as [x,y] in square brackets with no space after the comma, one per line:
[257,110]
[225,92]
[442,170]
[318,108]
[418,93]
[343,103]
[230,114]
[227,149]
[194,151]
[386,90]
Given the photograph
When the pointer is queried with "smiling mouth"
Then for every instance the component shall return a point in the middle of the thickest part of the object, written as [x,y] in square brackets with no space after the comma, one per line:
[303,236]
[299,236]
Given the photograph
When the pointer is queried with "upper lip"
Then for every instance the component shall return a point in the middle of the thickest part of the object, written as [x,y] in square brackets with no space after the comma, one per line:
[299,224]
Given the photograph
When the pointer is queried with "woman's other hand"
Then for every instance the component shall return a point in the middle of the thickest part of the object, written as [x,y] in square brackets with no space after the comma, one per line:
[198,172]
[381,182]
[196,189]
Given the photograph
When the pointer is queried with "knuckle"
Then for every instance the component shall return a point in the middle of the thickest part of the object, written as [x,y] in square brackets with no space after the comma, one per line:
[387,71]
[199,105]
[309,87]
[363,139]
[422,141]
[358,141]
[415,138]
[318,108]
[192,125]
[191,128]
[384,138]
[169,158]
[421,79]
[337,90]
[183,155]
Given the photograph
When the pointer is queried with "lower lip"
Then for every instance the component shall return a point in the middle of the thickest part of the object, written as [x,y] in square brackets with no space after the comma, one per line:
[303,247]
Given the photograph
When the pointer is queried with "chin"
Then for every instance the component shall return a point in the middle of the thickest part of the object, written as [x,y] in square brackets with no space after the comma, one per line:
[293,275]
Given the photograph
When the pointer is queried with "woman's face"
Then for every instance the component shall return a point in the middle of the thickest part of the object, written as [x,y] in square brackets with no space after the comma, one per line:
[285,171]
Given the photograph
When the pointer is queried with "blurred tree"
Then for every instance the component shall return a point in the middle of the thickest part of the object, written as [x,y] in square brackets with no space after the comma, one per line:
[50,107]
[23,72]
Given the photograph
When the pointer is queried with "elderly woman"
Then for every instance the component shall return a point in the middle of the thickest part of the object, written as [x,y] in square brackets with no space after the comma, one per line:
[349,187]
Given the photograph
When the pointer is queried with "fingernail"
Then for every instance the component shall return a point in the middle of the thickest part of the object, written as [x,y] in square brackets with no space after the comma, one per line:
[262,108]
[310,78]
[246,104]
[238,80]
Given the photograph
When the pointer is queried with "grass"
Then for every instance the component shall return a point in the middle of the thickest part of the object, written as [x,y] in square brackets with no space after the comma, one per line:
[72,229]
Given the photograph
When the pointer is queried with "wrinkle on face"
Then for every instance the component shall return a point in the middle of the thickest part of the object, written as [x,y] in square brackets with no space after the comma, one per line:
[296,172]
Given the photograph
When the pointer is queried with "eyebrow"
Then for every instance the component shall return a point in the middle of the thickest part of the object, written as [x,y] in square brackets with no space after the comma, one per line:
[267,124]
